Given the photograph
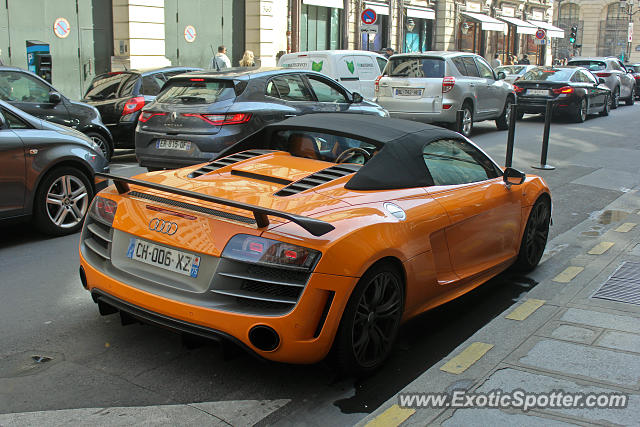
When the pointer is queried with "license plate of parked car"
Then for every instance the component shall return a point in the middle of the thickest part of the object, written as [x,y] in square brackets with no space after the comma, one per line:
[537,92]
[163,257]
[408,92]
[173,144]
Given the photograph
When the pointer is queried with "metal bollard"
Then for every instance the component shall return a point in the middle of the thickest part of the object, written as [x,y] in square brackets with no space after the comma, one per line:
[545,138]
[512,134]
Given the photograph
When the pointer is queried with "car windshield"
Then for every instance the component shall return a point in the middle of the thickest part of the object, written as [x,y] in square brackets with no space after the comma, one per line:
[590,65]
[321,146]
[548,74]
[511,69]
[105,86]
[407,66]
[197,91]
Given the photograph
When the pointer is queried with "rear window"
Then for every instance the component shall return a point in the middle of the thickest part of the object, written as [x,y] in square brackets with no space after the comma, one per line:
[548,74]
[111,85]
[415,67]
[590,65]
[197,92]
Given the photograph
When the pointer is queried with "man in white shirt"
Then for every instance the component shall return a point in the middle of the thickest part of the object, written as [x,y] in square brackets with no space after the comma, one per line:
[220,60]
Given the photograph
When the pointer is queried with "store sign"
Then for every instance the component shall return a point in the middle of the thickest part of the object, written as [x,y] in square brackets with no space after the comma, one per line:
[61,28]
[508,11]
[473,7]
[537,15]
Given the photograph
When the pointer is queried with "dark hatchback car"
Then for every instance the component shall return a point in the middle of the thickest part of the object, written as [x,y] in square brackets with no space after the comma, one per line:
[37,97]
[198,115]
[575,92]
[46,172]
[634,70]
[120,96]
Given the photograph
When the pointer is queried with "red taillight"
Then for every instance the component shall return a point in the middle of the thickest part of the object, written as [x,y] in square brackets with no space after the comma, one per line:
[376,84]
[256,247]
[637,77]
[517,88]
[133,105]
[146,115]
[448,83]
[222,119]
[446,106]
[564,89]
[104,209]
[603,74]
[196,80]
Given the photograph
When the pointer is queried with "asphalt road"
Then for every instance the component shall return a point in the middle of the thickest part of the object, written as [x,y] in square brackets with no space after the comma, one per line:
[95,362]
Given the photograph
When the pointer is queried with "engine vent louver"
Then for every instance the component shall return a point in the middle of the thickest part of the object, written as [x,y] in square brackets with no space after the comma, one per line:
[226,161]
[318,178]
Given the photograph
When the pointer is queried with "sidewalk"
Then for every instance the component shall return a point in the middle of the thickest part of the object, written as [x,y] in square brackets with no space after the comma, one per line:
[560,336]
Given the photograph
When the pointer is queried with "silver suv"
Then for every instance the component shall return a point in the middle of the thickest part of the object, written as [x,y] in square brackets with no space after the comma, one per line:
[431,87]
[615,77]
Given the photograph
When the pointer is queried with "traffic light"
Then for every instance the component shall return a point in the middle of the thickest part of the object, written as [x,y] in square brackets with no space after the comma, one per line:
[573,35]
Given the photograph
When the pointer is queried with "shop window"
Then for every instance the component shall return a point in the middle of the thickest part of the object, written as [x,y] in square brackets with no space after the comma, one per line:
[417,35]
[320,28]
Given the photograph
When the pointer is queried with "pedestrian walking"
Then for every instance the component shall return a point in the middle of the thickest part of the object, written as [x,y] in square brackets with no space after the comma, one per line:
[220,60]
[495,62]
[247,59]
[509,60]
[388,52]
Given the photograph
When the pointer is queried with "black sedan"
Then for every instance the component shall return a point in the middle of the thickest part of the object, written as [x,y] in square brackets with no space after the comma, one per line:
[120,96]
[575,91]
[46,172]
[36,96]
[198,115]
[634,70]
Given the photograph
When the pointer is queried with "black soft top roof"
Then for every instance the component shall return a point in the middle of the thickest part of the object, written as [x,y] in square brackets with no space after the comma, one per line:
[399,162]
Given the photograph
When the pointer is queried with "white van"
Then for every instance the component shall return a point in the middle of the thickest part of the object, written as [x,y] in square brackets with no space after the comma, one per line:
[356,70]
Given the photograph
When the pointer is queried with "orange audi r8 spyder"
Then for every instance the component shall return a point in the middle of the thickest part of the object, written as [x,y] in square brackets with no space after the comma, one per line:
[321,233]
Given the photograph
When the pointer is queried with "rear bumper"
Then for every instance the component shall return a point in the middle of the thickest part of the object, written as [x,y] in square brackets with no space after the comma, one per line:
[444,116]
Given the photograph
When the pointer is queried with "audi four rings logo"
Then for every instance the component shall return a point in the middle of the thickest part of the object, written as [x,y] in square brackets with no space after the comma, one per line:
[162,226]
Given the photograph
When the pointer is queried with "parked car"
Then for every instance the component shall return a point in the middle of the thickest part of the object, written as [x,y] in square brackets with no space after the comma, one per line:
[575,91]
[321,232]
[198,115]
[37,97]
[615,76]
[356,70]
[431,87]
[120,96]
[46,172]
[513,72]
[634,70]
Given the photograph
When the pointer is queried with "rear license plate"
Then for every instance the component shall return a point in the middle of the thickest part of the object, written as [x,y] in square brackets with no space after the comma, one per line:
[408,92]
[537,92]
[163,257]
[173,144]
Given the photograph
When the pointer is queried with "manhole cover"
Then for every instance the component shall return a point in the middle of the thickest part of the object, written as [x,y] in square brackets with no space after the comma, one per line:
[623,285]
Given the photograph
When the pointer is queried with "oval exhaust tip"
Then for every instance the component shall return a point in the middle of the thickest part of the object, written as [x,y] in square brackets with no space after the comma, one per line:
[264,338]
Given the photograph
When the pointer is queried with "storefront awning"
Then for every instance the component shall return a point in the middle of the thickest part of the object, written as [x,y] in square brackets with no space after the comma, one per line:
[336,4]
[522,27]
[488,23]
[421,12]
[552,31]
[379,7]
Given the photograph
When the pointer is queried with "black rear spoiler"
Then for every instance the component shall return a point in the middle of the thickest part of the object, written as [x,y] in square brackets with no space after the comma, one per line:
[313,226]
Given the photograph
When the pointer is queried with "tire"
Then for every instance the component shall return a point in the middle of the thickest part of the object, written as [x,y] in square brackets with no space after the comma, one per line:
[62,201]
[580,115]
[502,122]
[102,142]
[631,99]
[467,120]
[605,110]
[615,98]
[534,238]
[355,350]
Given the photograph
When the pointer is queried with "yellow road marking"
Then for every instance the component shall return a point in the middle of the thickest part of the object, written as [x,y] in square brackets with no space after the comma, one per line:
[525,309]
[468,357]
[600,248]
[568,274]
[626,227]
[394,416]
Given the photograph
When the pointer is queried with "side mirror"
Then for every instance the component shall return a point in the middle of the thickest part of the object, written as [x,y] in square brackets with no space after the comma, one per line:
[501,75]
[356,98]
[601,81]
[55,98]
[513,176]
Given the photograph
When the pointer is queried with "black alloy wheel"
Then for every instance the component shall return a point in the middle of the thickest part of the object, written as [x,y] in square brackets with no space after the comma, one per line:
[535,236]
[615,98]
[606,107]
[581,111]
[370,322]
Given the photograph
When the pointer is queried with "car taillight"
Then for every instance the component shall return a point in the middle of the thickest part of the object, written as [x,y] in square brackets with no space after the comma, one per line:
[133,105]
[448,83]
[376,84]
[259,250]
[637,77]
[603,74]
[517,88]
[564,89]
[146,115]
[104,210]
[222,119]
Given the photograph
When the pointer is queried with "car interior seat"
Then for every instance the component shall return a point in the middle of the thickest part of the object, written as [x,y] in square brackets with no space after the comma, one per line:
[301,145]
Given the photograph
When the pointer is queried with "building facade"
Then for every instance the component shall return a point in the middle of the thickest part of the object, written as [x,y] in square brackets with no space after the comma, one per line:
[603,28]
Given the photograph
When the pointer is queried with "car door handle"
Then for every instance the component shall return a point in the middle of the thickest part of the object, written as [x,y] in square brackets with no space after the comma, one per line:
[290,115]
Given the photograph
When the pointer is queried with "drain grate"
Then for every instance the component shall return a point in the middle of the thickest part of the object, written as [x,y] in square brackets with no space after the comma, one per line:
[623,285]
